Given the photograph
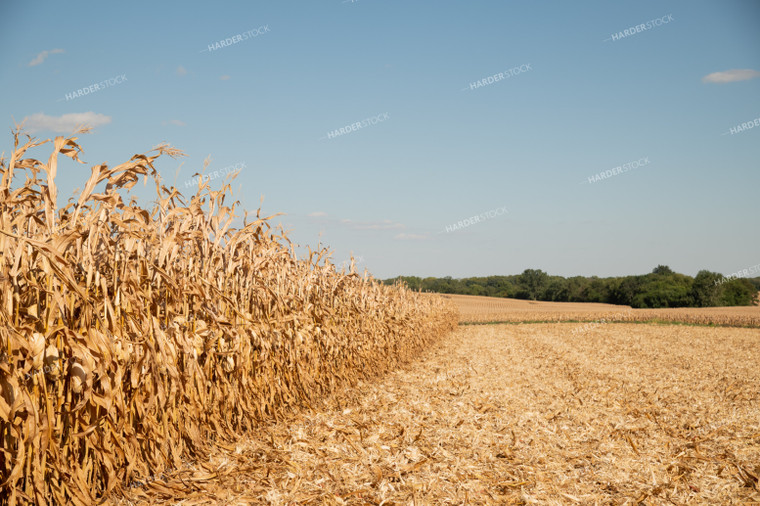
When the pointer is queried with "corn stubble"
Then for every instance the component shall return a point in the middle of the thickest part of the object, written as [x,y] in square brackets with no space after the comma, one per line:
[135,339]
[479,309]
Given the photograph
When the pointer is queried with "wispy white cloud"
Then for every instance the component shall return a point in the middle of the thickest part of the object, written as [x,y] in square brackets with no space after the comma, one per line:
[410,237]
[358,225]
[731,76]
[372,225]
[64,124]
[43,56]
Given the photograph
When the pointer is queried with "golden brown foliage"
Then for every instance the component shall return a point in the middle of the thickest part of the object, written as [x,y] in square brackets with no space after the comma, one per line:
[133,338]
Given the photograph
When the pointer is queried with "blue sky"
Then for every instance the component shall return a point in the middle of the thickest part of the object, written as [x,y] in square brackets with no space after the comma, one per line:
[445,152]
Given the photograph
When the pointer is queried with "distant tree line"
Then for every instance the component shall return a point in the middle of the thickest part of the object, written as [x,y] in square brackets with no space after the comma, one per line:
[660,288]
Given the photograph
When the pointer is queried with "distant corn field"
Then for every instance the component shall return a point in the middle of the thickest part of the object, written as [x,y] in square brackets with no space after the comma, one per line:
[477,309]
[134,338]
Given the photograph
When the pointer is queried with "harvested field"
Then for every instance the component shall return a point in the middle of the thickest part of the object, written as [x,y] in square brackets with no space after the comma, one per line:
[491,309]
[505,414]
[160,354]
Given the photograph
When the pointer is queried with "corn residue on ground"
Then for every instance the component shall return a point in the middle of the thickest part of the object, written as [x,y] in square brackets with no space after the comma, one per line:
[477,309]
[517,414]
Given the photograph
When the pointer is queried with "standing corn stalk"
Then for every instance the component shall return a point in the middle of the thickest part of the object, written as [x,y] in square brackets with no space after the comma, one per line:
[133,339]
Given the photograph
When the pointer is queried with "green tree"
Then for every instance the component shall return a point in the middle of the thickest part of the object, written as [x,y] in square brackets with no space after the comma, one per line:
[738,292]
[576,287]
[557,290]
[493,285]
[706,289]
[664,291]
[660,288]
[625,289]
[534,282]
[663,270]
[594,290]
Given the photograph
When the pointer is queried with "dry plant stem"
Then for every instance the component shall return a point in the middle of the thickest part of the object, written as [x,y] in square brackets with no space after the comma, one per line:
[174,331]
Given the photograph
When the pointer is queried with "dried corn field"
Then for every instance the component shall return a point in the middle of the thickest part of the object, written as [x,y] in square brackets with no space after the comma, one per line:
[514,414]
[474,309]
[135,340]
[163,356]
